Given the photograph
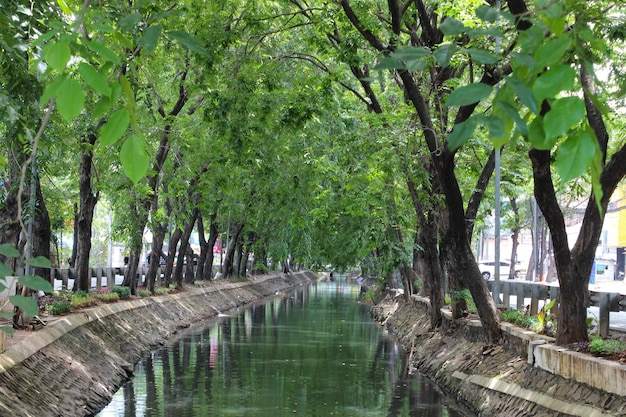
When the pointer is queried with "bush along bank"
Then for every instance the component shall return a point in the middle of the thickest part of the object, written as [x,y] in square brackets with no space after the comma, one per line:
[74,366]
[499,380]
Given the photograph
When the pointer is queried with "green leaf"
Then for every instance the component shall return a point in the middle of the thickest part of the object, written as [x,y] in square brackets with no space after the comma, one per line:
[511,112]
[409,53]
[552,52]
[115,127]
[481,55]
[469,94]
[485,32]
[417,64]
[70,99]
[443,54]
[9,251]
[553,81]
[8,329]
[52,89]
[134,158]
[537,135]
[500,127]
[58,55]
[487,14]
[27,304]
[150,38]
[116,91]
[565,113]
[129,22]
[5,270]
[452,27]
[94,79]
[531,38]
[461,133]
[575,155]
[39,262]
[101,108]
[188,42]
[104,52]
[36,283]
[389,63]
[66,9]
[523,92]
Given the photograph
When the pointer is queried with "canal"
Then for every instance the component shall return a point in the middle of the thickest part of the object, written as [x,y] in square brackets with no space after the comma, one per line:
[312,351]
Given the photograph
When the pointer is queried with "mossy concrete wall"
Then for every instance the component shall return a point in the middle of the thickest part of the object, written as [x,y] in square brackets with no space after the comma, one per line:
[73,366]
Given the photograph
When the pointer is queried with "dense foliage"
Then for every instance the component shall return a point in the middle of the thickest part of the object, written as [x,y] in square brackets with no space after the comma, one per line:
[307,134]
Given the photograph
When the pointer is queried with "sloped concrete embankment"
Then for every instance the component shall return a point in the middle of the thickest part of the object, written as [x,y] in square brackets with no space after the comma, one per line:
[73,366]
[491,380]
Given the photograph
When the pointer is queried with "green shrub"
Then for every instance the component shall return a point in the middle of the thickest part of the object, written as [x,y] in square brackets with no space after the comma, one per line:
[110,297]
[518,318]
[199,283]
[161,290]
[58,307]
[81,299]
[143,293]
[511,315]
[122,292]
[464,297]
[606,347]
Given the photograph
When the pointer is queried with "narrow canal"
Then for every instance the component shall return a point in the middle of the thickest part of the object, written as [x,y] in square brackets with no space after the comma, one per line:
[313,351]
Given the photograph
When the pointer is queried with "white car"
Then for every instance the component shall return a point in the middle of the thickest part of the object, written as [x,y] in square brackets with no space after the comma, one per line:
[487,269]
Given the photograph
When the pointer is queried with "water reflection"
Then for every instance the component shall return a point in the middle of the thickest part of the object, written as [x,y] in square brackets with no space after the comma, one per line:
[310,352]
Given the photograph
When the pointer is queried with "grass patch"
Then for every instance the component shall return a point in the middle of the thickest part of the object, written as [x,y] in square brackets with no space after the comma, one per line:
[58,307]
[81,299]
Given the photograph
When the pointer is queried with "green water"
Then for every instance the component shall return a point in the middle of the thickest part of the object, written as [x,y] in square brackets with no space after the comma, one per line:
[313,351]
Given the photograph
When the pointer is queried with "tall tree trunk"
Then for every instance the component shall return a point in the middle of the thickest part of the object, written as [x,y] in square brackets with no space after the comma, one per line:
[158,236]
[428,259]
[182,249]
[204,250]
[72,260]
[172,247]
[10,227]
[463,268]
[227,264]
[207,273]
[88,199]
[42,232]
[135,242]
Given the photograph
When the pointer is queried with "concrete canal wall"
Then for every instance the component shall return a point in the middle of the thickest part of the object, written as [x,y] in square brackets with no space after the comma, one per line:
[525,376]
[73,366]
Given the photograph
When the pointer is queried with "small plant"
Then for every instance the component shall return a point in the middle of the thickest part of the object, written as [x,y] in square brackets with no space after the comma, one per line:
[143,292]
[110,297]
[511,315]
[122,292]
[544,317]
[464,299]
[605,347]
[369,295]
[161,290]
[81,299]
[58,307]
[199,283]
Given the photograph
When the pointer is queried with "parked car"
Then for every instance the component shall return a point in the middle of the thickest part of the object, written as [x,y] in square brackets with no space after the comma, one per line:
[487,269]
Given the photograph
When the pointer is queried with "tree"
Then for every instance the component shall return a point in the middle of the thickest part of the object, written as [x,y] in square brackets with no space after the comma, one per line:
[550,81]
